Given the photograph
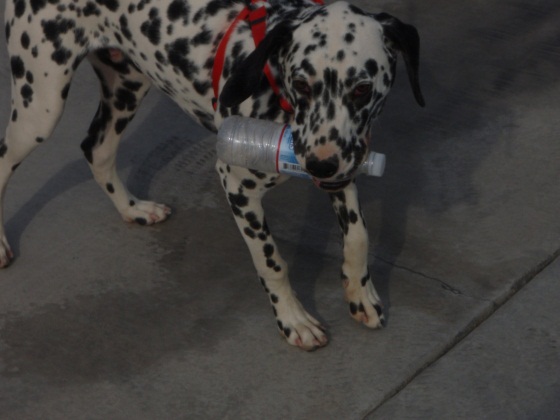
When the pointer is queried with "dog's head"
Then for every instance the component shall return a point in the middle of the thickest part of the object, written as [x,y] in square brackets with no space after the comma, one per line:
[336,65]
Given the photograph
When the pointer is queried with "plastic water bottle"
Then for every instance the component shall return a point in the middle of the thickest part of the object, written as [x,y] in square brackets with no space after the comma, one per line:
[268,147]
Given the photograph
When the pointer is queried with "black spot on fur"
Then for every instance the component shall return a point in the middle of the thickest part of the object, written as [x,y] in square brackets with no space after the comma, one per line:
[259,175]
[331,111]
[253,220]
[124,27]
[37,5]
[308,68]
[371,67]
[386,80]
[96,128]
[61,55]
[125,99]
[203,37]
[112,5]
[8,29]
[249,232]
[25,40]
[121,124]
[133,86]
[202,87]
[159,57]
[53,29]
[356,10]
[39,139]
[268,250]
[364,280]
[64,92]
[215,6]
[205,118]
[27,93]
[330,76]
[91,9]
[19,8]
[236,201]
[152,28]
[80,37]
[249,184]
[110,188]
[3,148]
[14,115]
[309,49]
[176,53]
[142,3]
[178,9]
[18,68]
[263,283]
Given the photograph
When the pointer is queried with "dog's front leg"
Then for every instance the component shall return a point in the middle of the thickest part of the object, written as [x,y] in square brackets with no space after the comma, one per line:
[365,305]
[244,189]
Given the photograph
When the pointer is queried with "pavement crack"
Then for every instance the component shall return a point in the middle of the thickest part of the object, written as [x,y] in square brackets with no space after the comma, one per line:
[471,326]
[444,285]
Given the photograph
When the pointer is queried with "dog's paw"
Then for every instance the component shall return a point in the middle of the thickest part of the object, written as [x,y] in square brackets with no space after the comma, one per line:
[298,327]
[365,305]
[145,212]
[6,254]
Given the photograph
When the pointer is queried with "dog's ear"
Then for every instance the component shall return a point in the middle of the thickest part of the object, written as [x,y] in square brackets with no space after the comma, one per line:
[405,39]
[248,73]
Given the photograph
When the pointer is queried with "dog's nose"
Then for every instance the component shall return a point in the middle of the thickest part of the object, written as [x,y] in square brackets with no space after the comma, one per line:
[322,168]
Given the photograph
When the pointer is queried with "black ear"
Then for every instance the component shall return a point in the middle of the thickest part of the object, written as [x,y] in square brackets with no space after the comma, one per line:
[405,39]
[248,73]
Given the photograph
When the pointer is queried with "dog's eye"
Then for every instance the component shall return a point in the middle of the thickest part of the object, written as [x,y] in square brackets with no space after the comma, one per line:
[362,89]
[302,87]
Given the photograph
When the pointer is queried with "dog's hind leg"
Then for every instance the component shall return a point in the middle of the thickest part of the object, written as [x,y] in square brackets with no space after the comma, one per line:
[122,89]
[41,75]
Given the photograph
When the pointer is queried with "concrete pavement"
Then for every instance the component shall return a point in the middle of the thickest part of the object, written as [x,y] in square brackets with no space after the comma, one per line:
[508,367]
[103,320]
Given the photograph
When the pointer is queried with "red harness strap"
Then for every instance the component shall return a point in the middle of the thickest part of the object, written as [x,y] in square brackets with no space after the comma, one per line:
[257,20]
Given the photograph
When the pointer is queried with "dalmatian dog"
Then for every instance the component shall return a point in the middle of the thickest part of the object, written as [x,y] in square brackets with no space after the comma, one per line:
[333,64]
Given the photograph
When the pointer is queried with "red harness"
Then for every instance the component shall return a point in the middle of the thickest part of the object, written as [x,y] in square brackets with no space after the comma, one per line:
[257,21]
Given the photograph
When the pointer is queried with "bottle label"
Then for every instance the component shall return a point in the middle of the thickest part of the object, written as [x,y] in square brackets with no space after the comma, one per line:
[286,162]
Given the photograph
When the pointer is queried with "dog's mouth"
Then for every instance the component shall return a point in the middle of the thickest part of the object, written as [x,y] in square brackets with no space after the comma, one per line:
[332,186]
